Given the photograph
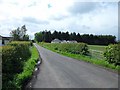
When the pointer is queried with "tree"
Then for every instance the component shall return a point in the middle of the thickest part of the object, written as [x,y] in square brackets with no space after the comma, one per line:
[47,36]
[73,36]
[26,37]
[19,34]
[23,32]
[55,35]
[78,38]
[67,35]
[15,34]
[39,37]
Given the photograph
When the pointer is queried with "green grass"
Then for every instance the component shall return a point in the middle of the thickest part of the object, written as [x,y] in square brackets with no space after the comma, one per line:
[97,51]
[28,68]
[97,47]
[84,58]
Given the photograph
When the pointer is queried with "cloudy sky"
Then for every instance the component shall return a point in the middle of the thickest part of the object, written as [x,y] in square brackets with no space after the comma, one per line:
[80,16]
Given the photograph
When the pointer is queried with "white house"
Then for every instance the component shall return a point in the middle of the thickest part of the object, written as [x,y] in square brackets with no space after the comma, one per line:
[64,41]
[73,41]
[4,40]
[56,41]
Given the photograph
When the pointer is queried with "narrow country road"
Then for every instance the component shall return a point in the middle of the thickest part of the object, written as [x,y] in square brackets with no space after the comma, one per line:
[57,71]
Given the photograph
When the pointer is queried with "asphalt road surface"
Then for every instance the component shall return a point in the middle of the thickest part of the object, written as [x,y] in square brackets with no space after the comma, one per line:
[57,71]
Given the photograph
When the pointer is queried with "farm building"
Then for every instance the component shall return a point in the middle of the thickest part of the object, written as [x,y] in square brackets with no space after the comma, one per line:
[63,41]
[56,41]
[4,40]
[73,41]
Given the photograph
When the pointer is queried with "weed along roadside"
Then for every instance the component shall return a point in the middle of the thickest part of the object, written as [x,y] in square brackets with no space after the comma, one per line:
[35,72]
[19,60]
[75,51]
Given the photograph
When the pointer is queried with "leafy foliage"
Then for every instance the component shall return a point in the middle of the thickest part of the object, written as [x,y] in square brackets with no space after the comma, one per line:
[76,48]
[20,34]
[13,57]
[112,54]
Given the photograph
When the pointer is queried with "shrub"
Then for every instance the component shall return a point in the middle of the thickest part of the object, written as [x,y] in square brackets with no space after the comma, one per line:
[23,48]
[76,48]
[13,57]
[112,54]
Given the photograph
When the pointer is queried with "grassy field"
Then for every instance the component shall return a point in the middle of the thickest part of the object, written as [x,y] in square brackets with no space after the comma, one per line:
[97,51]
[97,47]
[93,60]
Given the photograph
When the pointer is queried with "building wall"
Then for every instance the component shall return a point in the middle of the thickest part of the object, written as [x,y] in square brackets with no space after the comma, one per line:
[0,42]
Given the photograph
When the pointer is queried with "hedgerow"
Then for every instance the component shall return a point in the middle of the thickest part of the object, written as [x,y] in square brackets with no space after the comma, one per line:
[22,48]
[75,48]
[14,57]
[112,54]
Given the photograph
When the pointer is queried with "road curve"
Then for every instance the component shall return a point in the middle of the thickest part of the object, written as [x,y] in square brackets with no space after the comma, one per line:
[57,71]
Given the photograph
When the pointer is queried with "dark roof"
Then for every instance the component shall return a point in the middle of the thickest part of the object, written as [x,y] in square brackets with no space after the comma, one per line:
[5,38]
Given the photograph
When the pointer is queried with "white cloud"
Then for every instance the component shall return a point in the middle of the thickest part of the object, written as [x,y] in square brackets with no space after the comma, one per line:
[81,16]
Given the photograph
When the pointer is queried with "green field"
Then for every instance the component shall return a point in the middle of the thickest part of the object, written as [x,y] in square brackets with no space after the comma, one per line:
[97,47]
[97,51]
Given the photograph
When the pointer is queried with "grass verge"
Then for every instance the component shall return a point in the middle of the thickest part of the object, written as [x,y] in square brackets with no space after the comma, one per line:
[21,79]
[102,63]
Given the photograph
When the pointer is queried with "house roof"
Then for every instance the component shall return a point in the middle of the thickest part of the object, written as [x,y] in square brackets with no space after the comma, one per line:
[56,40]
[5,38]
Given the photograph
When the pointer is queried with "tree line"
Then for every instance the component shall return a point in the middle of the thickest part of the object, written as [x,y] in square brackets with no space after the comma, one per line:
[47,36]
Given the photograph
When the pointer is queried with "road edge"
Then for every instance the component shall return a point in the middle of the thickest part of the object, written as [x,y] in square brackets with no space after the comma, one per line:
[35,72]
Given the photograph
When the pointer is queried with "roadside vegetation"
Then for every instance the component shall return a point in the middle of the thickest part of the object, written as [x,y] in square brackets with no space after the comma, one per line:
[18,62]
[19,58]
[74,48]
[112,54]
[64,49]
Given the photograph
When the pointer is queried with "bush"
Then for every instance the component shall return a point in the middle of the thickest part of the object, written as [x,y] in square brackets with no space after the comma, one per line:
[13,57]
[22,48]
[112,54]
[76,48]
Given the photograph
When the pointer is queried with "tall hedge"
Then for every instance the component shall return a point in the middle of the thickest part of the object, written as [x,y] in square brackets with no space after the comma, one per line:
[112,54]
[13,57]
[22,48]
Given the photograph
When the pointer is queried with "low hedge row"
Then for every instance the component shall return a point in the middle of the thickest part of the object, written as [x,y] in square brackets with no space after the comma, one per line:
[112,54]
[13,57]
[76,48]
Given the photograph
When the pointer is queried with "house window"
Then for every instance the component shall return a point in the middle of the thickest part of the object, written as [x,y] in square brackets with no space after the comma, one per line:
[3,42]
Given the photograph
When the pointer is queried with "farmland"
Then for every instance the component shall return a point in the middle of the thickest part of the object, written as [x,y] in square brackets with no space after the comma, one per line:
[97,51]
[97,47]
[95,58]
